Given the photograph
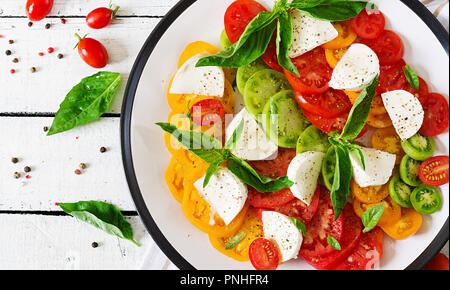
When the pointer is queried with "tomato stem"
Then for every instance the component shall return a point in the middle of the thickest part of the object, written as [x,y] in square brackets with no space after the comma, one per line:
[79,39]
[114,12]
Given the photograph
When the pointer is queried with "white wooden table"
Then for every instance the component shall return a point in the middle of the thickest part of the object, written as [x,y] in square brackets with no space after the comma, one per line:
[34,233]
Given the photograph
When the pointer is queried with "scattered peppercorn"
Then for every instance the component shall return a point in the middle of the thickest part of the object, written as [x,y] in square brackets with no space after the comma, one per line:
[16,175]
[94,245]
[15,60]
[83,165]
[60,55]
[63,21]
[102,149]
[27,169]
[28,176]
[47,26]
[78,172]
[13,71]
[45,129]
[8,52]
[30,24]
[14,160]
[11,41]
[41,54]
[33,69]
[50,50]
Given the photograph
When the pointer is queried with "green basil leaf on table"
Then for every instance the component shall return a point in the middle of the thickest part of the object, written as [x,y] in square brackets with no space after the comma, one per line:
[371,217]
[412,77]
[334,243]
[301,226]
[86,102]
[284,42]
[101,215]
[341,182]
[234,241]
[331,10]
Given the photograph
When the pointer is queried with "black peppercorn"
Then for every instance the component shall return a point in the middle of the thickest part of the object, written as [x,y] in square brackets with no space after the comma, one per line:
[30,24]
[94,244]
[33,69]
[14,160]
[102,149]
[16,175]
[47,26]
[27,169]
[45,128]
[8,52]
[11,41]
[60,55]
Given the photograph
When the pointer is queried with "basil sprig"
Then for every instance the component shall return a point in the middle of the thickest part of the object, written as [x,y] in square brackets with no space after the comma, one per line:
[412,77]
[101,215]
[256,37]
[371,217]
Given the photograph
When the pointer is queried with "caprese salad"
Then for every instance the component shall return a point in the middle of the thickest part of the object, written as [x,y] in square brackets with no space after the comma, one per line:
[282,173]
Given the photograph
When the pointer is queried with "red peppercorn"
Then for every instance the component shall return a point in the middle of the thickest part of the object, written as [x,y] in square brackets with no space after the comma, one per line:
[28,176]
[13,71]
[41,54]
[78,172]
[63,21]
[50,50]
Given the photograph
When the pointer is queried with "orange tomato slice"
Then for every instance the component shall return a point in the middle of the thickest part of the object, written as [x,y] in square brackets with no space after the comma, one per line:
[371,194]
[345,38]
[386,139]
[409,223]
[379,121]
[392,211]
[377,104]
[194,48]
[333,56]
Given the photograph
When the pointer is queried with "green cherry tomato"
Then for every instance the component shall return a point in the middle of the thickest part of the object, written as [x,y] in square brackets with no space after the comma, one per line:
[419,147]
[409,171]
[426,199]
[400,192]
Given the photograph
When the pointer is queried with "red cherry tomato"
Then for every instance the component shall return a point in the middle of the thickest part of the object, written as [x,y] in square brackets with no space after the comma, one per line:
[92,52]
[270,56]
[392,78]
[315,73]
[368,26]
[423,91]
[38,9]
[440,262]
[435,171]
[264,255]
[436,115]
[238,15]
[388,46]
[207,112]
[333,103]
[101,17]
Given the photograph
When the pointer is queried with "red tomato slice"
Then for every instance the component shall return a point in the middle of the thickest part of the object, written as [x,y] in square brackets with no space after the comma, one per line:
[315,243]
[440,262]
[332,103]
[368,26]
[264,254]
[315,73]
[388,46]
[270,56]
[350,240]
[301,210]
[273,169]
[207,112]
[436,115]
[367,254]
[435,171]
[423,91]
[392,78]
[238,15]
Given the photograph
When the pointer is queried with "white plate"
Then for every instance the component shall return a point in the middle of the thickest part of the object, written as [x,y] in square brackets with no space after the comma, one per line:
[146,158]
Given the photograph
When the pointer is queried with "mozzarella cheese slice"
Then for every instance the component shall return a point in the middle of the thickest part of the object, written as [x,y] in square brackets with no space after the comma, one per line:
[304,170]
[309,33]
[253,143]
[205,81]
[356,69]
[225,193]
[406,112]
[280,229]
[379,166]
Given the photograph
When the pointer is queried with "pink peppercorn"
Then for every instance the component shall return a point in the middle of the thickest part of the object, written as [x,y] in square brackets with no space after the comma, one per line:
[78,172]
[41,54]
[50,50]
[13,71]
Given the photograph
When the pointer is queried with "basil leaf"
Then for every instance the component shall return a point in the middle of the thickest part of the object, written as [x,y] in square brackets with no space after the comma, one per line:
[249,176]
[233,242]
[342,178]
[412,77]
[231,143]
[357,148]
[86,102]
[212,169]
[371,217]
[360,112]
[334,243]
[101,215]
[331,10]
[252,44]
[301,226]
[284,41]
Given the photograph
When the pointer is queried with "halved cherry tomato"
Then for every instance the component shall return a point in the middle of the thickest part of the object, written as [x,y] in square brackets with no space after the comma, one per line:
[315,73]
[370,194]
[440,262]
[207,112]
[345,38]
[368,26]
[388,46]
[332,103]
[435,171]
[238,15]
[392,78]
[391,214]
[101,17]
[408,225]
[298,209]
[387,140]
[436,118]
[270,56]
[423,91]
[38,9]
[334,56]
[92,52]
[379,121]
[264,255]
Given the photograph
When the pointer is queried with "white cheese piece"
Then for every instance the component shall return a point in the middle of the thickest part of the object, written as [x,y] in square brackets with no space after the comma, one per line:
[304,170]
[356,69]
[225,193]
[309,33]
[253,143]
[406,112]
[204,81]
[280,229]
[379,166]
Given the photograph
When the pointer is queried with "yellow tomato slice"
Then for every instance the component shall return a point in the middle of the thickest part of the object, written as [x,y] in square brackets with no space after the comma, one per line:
[387,139]
[370,194]
[409,223]
[379,121]
[345,38]
[333,56]
[195,48]
[392,211]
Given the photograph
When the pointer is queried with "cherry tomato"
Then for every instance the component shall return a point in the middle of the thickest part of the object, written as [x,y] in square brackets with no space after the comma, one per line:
[38,9]
[207,112]
[368,26]
[238,15]
[332,103]
[436,115]
[92,52]
[270,56]
[298,209]
[315,73]
[387,140]
[345,38]
[264,255]
[388,46]
[435,171]
[101,17]
[440,262]
[392,78]
[409,223]
[379,121]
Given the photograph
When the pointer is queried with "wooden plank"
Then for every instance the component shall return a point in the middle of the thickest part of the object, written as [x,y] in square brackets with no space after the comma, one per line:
[83,7]
[48,242]
[53,161]
[44,90]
